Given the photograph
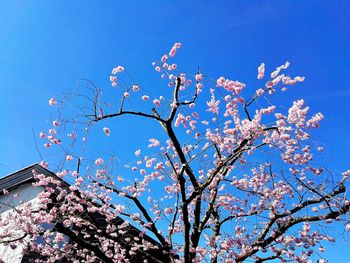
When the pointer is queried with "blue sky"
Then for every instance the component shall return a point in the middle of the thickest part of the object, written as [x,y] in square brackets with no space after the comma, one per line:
[47,46]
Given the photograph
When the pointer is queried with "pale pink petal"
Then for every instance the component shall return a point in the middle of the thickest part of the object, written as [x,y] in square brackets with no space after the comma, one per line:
[99,161]
[107,131]
[52,102]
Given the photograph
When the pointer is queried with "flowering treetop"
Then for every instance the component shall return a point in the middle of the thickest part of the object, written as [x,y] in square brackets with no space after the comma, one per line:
[233,180]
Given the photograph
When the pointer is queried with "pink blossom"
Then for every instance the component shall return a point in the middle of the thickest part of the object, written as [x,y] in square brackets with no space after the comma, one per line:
[199,87]
[113,78]
[314,121]
[173,105]
[174,48]
[227,98]
[79,181]
[213,106]
[164,58]
[69,157]
[230,85]
[52,102]
[261,71]
[199,77]
[177,45]
[153,143]
[107,131]
[56,123]
[135,88]
[145,97]
[119,208]
[278,69]
[345,175]
[168,210]
[322,249]
[259,92]
[71,135]
[117,69]
[99,161]
[172,52]
[44,164]
[42,135]
[137,153]
[180,119]
[126,94]
[156,102]
[56,141]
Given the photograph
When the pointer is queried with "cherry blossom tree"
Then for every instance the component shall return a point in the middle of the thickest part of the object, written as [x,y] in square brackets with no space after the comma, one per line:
[229,178]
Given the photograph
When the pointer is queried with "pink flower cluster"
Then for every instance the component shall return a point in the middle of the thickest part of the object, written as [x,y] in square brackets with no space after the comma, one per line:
[261,71]
[233,160]
[113,78]
[230,85]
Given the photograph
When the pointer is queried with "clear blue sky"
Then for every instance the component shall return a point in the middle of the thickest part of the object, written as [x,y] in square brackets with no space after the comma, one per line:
[46,46]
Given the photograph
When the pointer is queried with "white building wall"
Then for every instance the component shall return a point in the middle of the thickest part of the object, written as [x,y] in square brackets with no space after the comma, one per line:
[26,194]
